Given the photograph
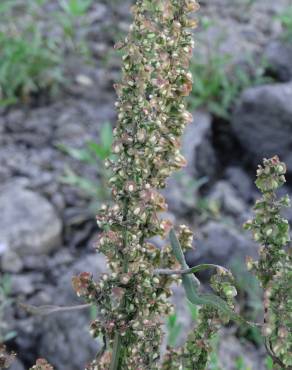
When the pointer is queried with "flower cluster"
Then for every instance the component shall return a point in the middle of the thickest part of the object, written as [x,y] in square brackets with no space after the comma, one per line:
[6,359]
[274,267]
[42,364]
[196,351]
[151,119]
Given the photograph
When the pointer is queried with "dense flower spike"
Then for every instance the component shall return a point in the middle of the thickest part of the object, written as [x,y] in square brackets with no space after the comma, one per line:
[151,119]
[274,267]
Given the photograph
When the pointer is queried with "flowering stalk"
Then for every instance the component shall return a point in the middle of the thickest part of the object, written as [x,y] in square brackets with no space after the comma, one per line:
[274,267]
[152,116]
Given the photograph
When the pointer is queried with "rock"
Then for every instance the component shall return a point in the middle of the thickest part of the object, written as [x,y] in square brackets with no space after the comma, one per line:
[123,9]
[3,249]
[221,243]
[28,222]
[241,182]
[231,39]
[35,262]
[262,122]
[180,193]
[197,147]
[182,187]
[76,124]
[27,339]
[11,262]
[226,196]
[26,284]
[279,58]
[17,365]
[231,351]
[98,13]
[66,341]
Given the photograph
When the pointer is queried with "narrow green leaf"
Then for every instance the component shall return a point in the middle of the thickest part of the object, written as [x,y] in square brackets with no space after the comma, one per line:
[100,151]
[106,135]
[191,284]
[174,328]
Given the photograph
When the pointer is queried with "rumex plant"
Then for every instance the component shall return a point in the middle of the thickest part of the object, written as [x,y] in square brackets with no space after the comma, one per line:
[132,298]
[274,267]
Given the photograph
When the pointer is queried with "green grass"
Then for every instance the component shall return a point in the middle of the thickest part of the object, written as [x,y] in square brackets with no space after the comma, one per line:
[93,155]
[27,65]
[286,20]
[217,80]
[31,59]
[5,302]
[217,84]
[75,8]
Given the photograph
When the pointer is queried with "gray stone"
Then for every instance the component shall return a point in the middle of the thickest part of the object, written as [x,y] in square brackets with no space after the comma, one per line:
[197,147]
[65,340]
[28,222]
[232,349]
[182,187]
[35,262]
[279,58]
[180,193]
[26,284]
[11,262]
[27,339]
[226,196]
[241,182]
[98,13]
[262,122]
[221,243]
[17,365]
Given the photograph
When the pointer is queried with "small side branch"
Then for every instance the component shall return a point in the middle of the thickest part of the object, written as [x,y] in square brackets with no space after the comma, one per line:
[191,270]
[49,309]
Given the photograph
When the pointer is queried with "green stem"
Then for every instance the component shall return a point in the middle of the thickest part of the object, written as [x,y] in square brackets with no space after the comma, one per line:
[190,270]
[116,352]
[117,341]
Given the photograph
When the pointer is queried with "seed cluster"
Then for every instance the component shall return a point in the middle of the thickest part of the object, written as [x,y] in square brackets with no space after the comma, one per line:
[274,267]
[6,359]
[152,116]
[42,364]
[195,353]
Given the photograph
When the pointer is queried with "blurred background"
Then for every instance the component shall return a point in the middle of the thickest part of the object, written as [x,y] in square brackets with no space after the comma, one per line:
[57,69]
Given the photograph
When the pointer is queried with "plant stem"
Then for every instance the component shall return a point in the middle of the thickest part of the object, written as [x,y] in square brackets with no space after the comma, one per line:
[116,352]
[117,341]
[190,270]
